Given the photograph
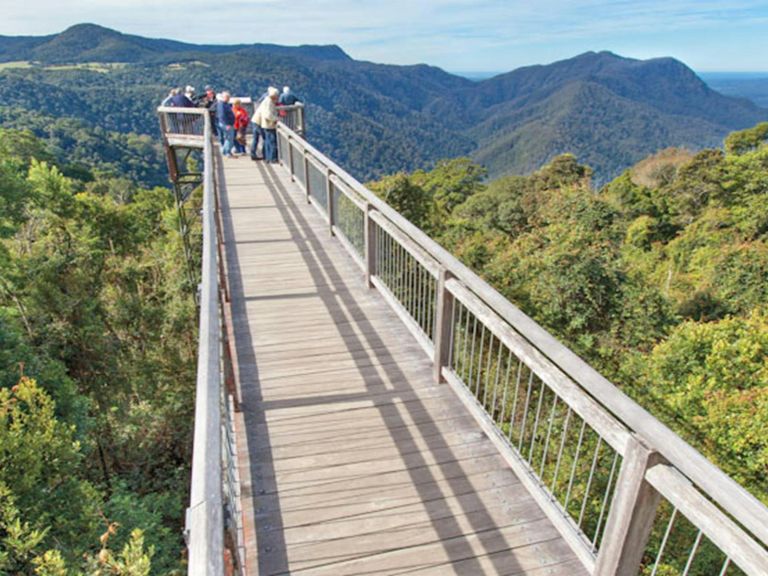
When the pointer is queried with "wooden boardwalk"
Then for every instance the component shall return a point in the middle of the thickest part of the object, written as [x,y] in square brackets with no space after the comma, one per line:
[352,460]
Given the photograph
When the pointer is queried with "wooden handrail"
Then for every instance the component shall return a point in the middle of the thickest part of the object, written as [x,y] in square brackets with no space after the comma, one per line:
[205,516]
[728,494]
[205,522]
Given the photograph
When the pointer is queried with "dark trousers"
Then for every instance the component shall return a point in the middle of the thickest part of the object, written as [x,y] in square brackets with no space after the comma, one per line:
[258,132]
[270,145]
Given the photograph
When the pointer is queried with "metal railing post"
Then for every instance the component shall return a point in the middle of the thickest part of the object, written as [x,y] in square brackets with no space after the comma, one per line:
[300,120]
[632,515]
[306,174]
[443,325]
[329,200]
[290,159]
[370,246]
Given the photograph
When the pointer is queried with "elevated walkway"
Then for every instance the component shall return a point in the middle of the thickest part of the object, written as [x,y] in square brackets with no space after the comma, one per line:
[356,461]
[398,415]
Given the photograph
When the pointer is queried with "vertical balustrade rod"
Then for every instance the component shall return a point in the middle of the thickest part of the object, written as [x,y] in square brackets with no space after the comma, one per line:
[443,329]
[305,160]
[300,118]
[290,159]
[329,200]
[370,246]
[631,517]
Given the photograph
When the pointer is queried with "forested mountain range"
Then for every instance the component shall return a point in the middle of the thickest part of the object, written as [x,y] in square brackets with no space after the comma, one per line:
[376,119]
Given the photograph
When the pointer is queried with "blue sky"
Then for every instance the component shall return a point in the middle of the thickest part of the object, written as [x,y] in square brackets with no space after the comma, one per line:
[457,35]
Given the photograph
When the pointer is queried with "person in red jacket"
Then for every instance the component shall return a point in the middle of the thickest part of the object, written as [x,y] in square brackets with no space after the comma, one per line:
[241,125]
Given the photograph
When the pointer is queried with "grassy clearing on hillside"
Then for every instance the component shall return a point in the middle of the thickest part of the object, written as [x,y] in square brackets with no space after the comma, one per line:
[186,65]
[103,67]
[15,64]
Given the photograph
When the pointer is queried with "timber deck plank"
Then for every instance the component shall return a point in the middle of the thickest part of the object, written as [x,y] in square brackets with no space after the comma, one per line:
[353,461]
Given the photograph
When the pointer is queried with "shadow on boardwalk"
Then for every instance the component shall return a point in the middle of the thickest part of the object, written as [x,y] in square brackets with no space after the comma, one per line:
[438,453]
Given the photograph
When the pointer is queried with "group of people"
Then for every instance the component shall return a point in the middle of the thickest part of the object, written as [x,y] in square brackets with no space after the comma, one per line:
[231,120]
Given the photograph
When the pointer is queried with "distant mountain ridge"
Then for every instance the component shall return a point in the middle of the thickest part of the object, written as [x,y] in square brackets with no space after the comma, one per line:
[610,111]
[94,43]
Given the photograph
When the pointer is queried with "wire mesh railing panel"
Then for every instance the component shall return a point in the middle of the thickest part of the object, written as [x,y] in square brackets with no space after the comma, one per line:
[184,123]
[292,117]
[231,491]
[282,147]
[298,165]
[408,280]
[349,220]
[317,182]
[570,461]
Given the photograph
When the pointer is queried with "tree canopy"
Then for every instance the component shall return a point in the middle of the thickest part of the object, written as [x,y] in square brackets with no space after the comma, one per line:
[97,361]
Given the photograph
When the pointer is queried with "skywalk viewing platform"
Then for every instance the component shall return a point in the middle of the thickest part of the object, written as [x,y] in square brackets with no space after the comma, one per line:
[366,404]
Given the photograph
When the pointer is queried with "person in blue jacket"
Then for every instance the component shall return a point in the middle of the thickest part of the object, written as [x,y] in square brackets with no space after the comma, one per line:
[288,98]
[225,119]
[180,100]
[179,123]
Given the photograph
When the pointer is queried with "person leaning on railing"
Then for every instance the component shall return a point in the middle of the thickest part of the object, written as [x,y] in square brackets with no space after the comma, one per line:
[167,100]
[179,123]
[288,98]
[267,115]
[258,134]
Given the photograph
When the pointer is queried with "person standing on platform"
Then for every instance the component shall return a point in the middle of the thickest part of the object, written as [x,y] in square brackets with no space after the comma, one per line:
[180,100]
[171,94]
[225,119]
[241,125]
[267,113]
[208,101]
[258,131]
[258,135]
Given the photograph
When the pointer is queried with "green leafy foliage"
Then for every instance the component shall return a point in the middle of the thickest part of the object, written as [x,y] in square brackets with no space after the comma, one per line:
[97,353]
[47,503]
[713,376]
[747,140]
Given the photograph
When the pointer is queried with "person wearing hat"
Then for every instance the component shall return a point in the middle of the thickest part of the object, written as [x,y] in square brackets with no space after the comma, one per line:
[288,98]
[267,116]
